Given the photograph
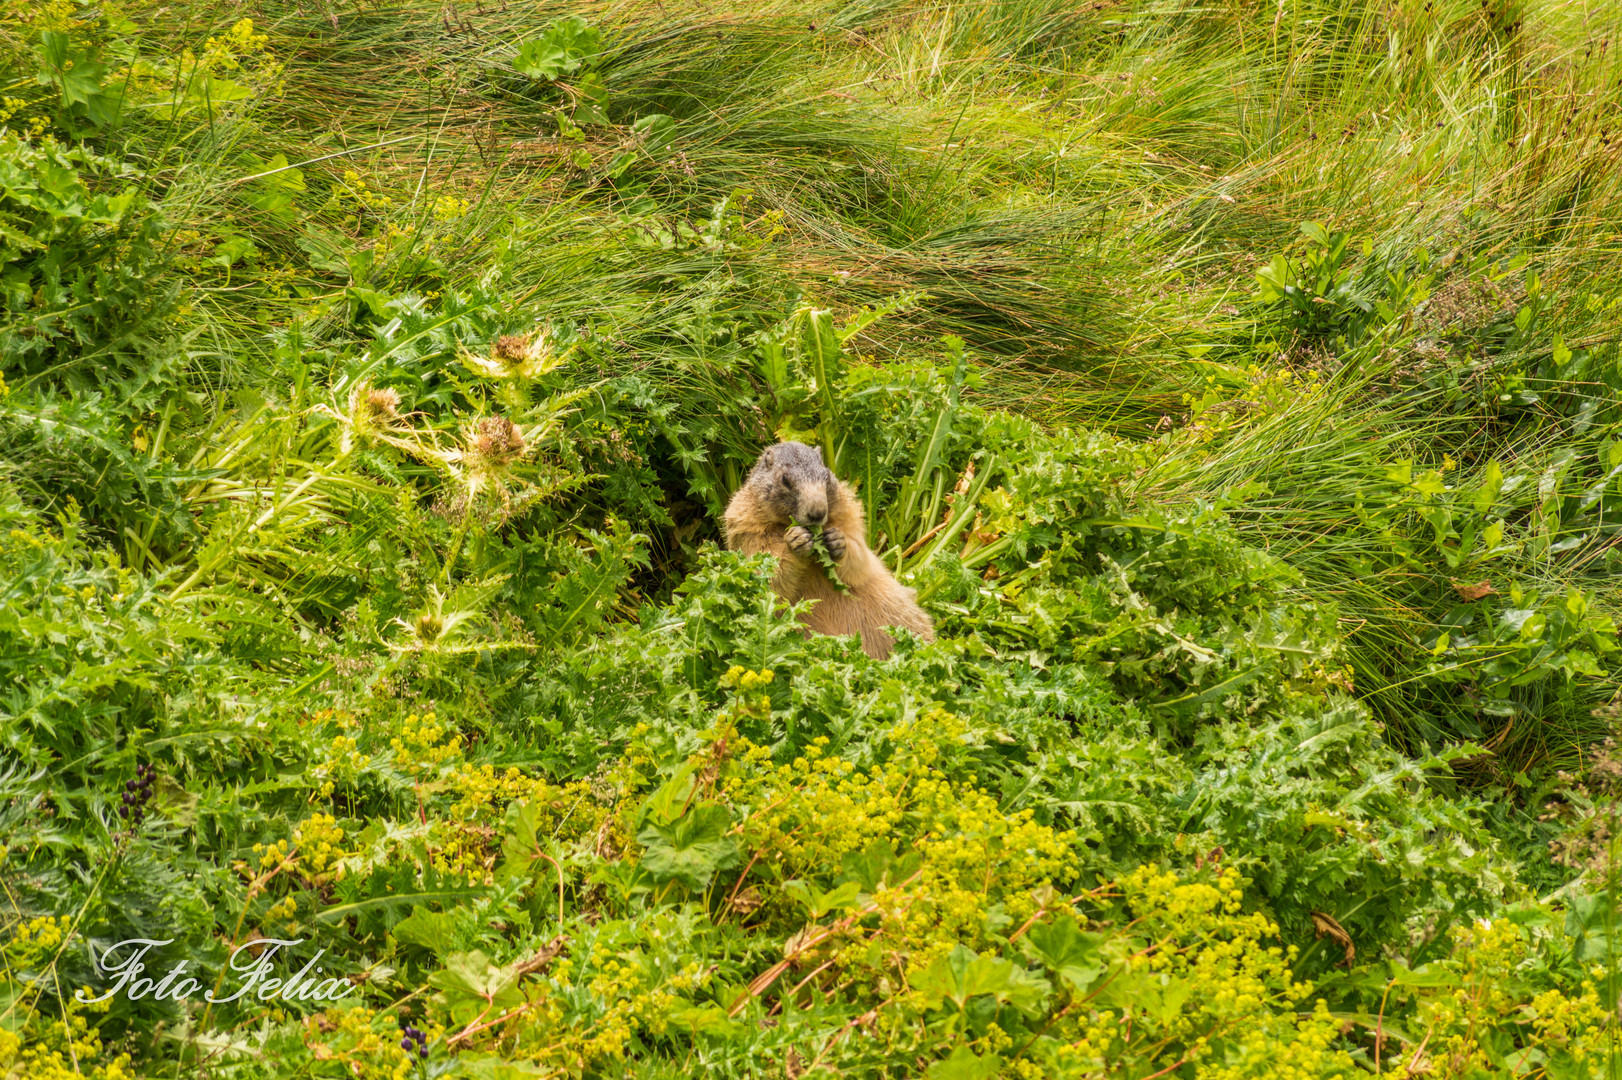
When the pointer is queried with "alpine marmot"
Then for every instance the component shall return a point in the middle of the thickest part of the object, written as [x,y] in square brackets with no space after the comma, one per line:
[789,492]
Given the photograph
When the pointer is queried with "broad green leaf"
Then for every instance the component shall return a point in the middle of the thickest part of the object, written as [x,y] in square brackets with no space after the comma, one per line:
[433,930]
[395,901]
[472,986]
[656,130]
[496,1067]
[690,849]
[561,49]
[840,898]
[963,974]
[1073,954]
[704,1019]
[520,847]
[965,1064]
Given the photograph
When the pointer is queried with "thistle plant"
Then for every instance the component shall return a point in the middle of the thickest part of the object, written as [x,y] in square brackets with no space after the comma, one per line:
[517,356]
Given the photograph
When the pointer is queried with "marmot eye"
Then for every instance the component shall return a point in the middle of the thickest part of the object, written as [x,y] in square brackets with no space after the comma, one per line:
[785,481]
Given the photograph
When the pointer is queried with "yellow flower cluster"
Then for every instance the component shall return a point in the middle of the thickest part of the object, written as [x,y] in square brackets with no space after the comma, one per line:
[393,232]
[52,15]
[239,43]
[344,762]
[480,787]
[1487,955]
[772,222]
[465,854]
[272,855]
[64,1047]
[423,743]
[745,702]
[620,983]
[356,190]
[1211,980]
[1260,392]
[974,855]
[35,940]
[638,993]
[449,208]
[319,838]
[846,808]
[634,765]
[742,679]
[1259,1053]
[350,1037]
[471,824]
[482,793]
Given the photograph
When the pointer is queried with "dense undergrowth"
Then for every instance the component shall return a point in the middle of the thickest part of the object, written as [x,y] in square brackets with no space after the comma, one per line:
[1236,383]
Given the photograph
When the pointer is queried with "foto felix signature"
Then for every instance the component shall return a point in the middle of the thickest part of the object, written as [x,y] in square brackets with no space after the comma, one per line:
[253,975]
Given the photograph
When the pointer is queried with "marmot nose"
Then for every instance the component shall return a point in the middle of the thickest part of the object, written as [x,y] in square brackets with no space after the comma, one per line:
[815,516]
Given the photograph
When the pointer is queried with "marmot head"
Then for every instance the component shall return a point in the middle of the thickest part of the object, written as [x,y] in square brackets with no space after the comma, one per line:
[791,483]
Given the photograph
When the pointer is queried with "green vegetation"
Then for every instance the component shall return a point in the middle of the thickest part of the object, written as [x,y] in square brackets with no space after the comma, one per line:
[1237,383]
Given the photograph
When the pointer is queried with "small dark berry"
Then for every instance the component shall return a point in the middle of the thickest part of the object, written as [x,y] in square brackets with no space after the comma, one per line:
[423,1052]
[405,1044]
[129,785]
[124,811]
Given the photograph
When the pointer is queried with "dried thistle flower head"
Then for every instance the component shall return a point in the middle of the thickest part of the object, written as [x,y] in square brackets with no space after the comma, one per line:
[520,356]
[496,441]
[511,348]
[372,414]
[483,464]
[379,405]
[373,409]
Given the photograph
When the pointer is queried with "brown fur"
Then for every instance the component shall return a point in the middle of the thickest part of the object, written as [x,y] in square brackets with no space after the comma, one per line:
[790,481]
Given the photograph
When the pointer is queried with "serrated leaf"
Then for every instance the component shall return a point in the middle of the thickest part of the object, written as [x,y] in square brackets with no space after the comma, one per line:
[690,849]
[963,974]
[433,930]
[1073,954]
[563,48]
[473,987]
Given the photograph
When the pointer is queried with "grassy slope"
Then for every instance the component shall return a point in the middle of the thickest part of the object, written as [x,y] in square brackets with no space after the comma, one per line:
[1085,193]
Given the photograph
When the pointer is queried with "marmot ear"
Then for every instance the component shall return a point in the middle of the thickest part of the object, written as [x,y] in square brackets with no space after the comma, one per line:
[769,456]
